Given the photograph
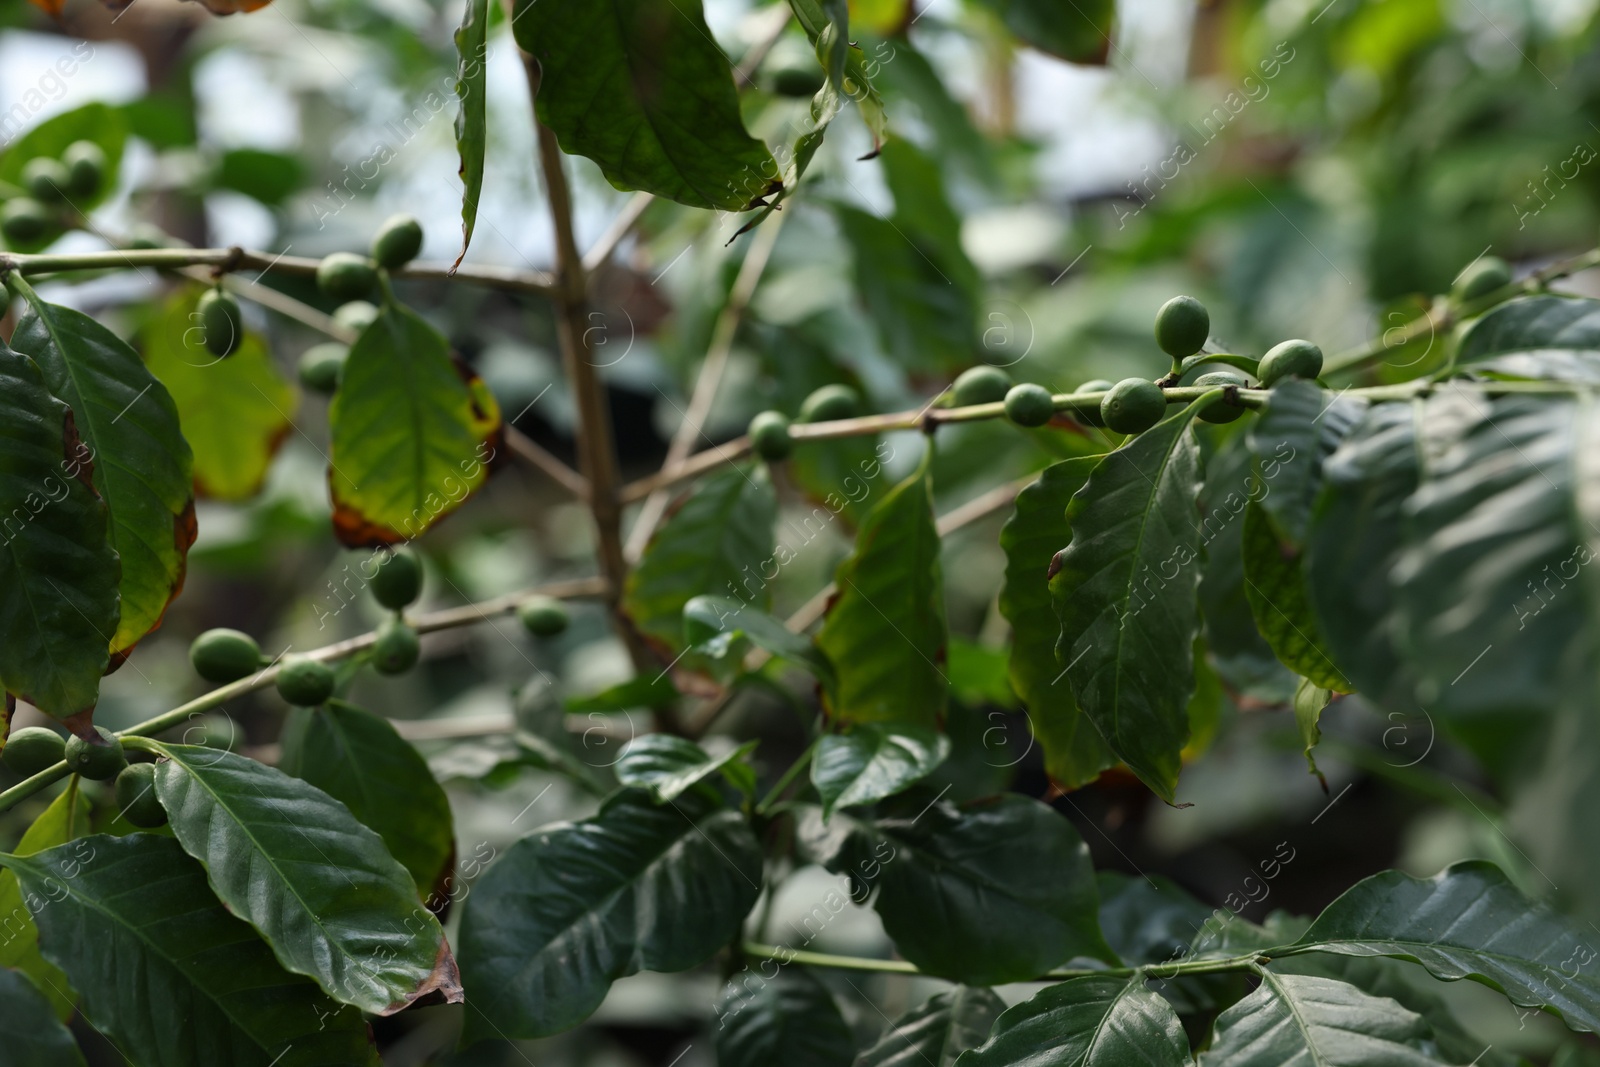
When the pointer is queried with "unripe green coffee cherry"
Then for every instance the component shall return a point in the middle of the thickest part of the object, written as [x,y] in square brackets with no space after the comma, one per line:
[397,242]
[1090,413]
[829,404]
[222,322]
[1133,405]
[398,580]
[100,761]
[1182,326]
[32,749]
[1221,411]
[24,220]
[1094,385]
[1291,359]
[982,384]
[1029,404]
[345,276]
[1480,278]
[357,315]
[47,180]
[224,656]
[800,81]
[321,366]
[86,168]
[397,648]
[769,436]
[136,796]
[543,616]
[305,683]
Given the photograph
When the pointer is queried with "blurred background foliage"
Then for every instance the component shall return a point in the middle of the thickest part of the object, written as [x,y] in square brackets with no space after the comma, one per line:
[1306,168]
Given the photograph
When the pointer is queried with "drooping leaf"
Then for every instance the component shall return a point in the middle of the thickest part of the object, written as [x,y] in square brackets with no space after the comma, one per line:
[717,542]
[998,890]
[58,572]
[872,762]
[472,85]
[360,760]
[64,819]
[937,1031]
[1079,32]
[574,906]
[641,88]
[1126,597]
[735,620]
[1095,1021]
[1543,336]
[322,889]
[885,631]
[1275,585]
[667,767]
[1310,700]
[413,432]
[1291,439]
[789,1020]
[166,972]
[234,412]
[1293,1018]
[142,464]
[31,1035]
[1074,753]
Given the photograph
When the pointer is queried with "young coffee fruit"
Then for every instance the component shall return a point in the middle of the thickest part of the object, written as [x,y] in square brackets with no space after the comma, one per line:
[224,656]
[32,749]
[1221,411]
[1182,326]
[800,81]
[543,616]
[398,580]
[86,168]
[101,762]
[769,436]
[345,276]
[23,220]
[1480,278]
[830,403]
[397,648]
[136,796]
[357,315]
[222,322]
[397,242]
[1029,404]
[1291,359]
[1090,413]
[321,367]
[1133,405]
[47,180]
[982,384]
[305,683]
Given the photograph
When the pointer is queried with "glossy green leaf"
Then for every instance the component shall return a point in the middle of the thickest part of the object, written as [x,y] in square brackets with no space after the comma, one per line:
[574,906]
[58,572]
[166,972]
[789,1020]
[1294,1018]
[641,88]
[1074,753]
[1126,597]
[234,412]
[360,760]
[1537,337]
[998,890]
[667,767]
[885,631]
[322,889]
[1469,921]
[737,621]
[1079,31]
[1275,585]
[30,1034]
[472,89]
[414,432]
[937,1031]
[872,762]
[718,542]
[1291,440]
[142,464]
[1096,1021]
[1149,920]
[65,818]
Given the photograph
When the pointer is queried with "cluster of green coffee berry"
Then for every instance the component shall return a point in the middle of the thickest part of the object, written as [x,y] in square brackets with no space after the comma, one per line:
[49,189]
[33,749]
[351,280]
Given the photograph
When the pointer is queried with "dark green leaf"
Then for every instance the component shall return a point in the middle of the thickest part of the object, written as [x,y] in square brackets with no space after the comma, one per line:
[65,818]
[1074,753]
[937,1031]
[1293,437]
[872,762]
[640,691]
[668,766]
[575,906]
[58,571]
[270,177]
[1126,597]
[472,87]
[1150,920]
[789,1020]
[1537,337]
[1079,31]
[999,890]
[142,464]
[736,619]
[322,889]
[166,972]
[885,631]
[1096,1021]
[1275,585]
[31,1035]
[832,472]
[641,88]
[359,759]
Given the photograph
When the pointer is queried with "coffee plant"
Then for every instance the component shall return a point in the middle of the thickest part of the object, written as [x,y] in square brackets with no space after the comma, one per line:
[1221,531]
